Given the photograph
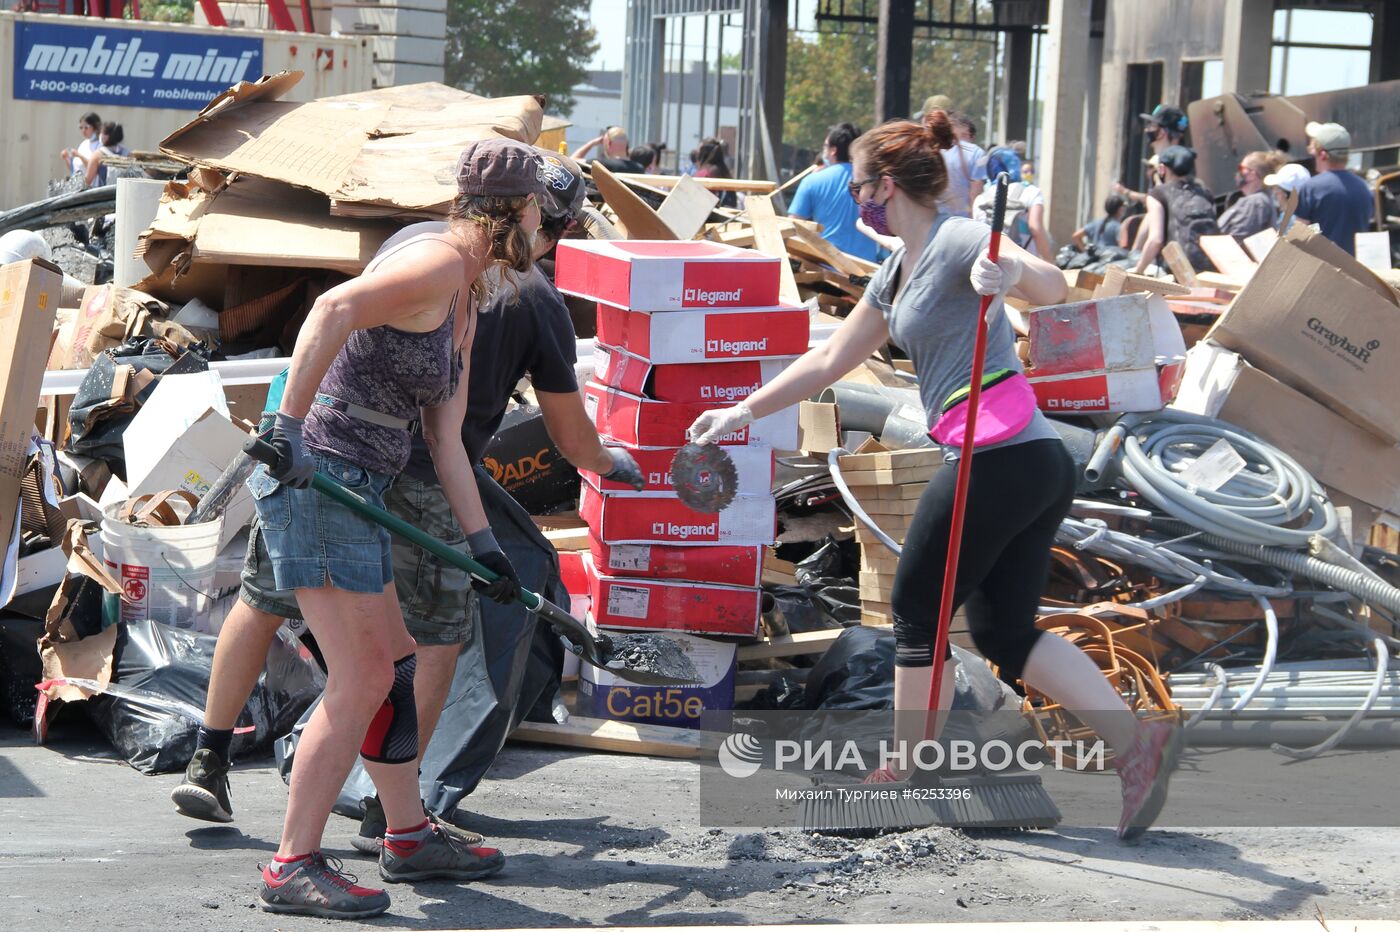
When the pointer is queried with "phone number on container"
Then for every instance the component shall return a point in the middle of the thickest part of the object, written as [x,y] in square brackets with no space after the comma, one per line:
[78,87]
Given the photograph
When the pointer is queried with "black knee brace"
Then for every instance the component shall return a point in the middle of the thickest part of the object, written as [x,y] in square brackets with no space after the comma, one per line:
[392,737]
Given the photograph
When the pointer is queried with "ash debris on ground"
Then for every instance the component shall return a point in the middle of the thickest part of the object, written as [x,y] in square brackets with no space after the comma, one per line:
[653,654]
[835,867]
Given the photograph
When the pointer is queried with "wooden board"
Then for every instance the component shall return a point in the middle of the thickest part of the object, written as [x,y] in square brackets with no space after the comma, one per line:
[1176,260]
[1229,257]
[804,642]
[901,476]
[875,619]
[895,507]
[1118,281]
[898,493]
[640,221]
[838,260]
[600,734]
[567,539]
[745,185]
[768,239]
[890,459]
[687,207]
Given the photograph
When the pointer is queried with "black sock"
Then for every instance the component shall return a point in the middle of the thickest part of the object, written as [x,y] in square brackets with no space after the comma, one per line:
[216,740]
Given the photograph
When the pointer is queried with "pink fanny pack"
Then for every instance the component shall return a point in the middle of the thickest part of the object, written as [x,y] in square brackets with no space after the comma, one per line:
[1004,408]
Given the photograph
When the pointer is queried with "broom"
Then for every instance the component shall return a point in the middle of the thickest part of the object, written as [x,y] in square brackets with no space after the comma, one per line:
[1010,801]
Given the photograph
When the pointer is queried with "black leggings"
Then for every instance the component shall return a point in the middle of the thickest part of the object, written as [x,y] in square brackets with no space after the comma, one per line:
[1016,499]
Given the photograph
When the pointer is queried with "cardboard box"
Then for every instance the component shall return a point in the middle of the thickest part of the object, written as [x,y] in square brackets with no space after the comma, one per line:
[697,336]
[818,428]
[1120,334]
[29,295]
[690,607]
[730,566]
[641,422]
[754,464]
[651,517]
[1096,392]
[707,383]
[605,696]
[1316,319]
[1338,453]
[182,438]
[646,275]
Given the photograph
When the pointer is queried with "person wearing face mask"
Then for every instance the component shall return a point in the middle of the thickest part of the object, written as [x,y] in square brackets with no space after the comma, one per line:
[1255,210]
[1180,209]
[925,297]
[822,197]
[1165,126]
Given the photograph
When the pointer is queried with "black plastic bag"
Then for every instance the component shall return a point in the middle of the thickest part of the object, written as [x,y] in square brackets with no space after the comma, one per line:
[857,672]
[20,667]
[152,712]
[102,410]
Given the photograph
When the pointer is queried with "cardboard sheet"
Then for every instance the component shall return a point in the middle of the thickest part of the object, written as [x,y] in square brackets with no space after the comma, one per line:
[379,152]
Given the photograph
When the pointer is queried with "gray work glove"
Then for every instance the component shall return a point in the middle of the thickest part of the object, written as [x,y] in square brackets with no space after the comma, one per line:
[295,467]
[624,469]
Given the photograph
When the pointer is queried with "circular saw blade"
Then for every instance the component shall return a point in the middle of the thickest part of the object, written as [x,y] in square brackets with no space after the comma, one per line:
[704,477]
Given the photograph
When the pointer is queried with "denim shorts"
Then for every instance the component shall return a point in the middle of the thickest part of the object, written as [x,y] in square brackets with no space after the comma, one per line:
[438,603]
[437,598]
[313,540]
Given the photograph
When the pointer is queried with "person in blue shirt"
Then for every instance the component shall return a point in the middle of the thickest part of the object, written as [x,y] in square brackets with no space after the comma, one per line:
[1339,202]
[823,197]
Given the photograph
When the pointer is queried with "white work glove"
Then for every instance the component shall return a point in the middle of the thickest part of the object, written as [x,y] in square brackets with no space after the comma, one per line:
[715,423]
[992,278]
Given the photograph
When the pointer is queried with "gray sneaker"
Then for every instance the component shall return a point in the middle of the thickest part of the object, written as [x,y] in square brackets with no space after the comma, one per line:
[373,826]
[318,887]
[442,855]
[204,792]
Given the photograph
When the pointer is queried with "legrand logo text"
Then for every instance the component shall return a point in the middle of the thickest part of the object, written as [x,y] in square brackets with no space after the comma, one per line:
[727,392]
[126,60]
[1078,404]
[1338,341]
[670,529]
[735,347]
[701,296]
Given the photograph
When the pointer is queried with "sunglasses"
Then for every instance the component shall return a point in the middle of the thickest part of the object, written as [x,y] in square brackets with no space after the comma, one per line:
[853,187]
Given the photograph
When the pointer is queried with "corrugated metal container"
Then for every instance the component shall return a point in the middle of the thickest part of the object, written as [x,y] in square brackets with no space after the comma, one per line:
[394,73]
[70,60]
[352,20]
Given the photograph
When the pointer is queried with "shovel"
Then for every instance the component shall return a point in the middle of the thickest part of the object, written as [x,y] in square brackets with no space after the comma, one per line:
[596,649]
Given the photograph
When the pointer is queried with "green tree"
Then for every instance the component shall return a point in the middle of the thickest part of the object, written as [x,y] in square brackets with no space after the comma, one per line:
[831,79]
[500,48]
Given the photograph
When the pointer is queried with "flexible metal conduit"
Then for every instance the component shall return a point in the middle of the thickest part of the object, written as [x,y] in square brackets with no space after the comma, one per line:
[1262,503]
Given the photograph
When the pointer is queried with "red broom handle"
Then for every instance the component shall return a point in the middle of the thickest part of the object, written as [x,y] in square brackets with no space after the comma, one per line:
[950,569]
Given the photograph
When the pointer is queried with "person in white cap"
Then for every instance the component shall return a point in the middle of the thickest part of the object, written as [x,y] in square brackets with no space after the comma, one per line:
[1337,200]
[1284,182]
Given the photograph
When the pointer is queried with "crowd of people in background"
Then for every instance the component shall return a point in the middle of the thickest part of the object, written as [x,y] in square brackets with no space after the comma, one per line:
[87,160]
[1135,226]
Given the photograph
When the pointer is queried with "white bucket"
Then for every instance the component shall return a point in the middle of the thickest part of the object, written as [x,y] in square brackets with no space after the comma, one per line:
[166,573]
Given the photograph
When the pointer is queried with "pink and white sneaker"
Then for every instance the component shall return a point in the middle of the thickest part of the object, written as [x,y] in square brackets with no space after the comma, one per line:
[1145,771]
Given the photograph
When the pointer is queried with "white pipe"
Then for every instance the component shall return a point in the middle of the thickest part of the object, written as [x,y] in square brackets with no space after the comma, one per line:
[1382,662]
[1270,652]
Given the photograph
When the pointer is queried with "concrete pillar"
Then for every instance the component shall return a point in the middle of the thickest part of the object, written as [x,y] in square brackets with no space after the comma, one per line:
[1066,51]
[894,63]
[1016,89]
[1246,46]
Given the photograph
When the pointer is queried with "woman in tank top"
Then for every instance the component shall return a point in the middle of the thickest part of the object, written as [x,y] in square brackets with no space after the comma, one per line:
[925,298]
[376,355]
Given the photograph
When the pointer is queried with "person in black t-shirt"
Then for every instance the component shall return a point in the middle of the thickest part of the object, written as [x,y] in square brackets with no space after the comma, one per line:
[1179,210]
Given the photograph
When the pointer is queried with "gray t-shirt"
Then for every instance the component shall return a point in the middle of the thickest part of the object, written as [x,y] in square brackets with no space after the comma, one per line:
[934,318]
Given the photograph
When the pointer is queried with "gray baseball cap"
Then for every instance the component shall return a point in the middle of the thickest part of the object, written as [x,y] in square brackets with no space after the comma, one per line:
[499,167]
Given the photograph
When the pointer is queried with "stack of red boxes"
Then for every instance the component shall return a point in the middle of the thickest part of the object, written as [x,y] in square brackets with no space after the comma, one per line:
[682,327]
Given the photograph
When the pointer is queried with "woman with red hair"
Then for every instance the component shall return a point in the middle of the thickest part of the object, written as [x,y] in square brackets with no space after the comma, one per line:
[926,298]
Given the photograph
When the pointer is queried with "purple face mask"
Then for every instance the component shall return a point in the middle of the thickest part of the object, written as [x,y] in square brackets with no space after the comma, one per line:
[872,214]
